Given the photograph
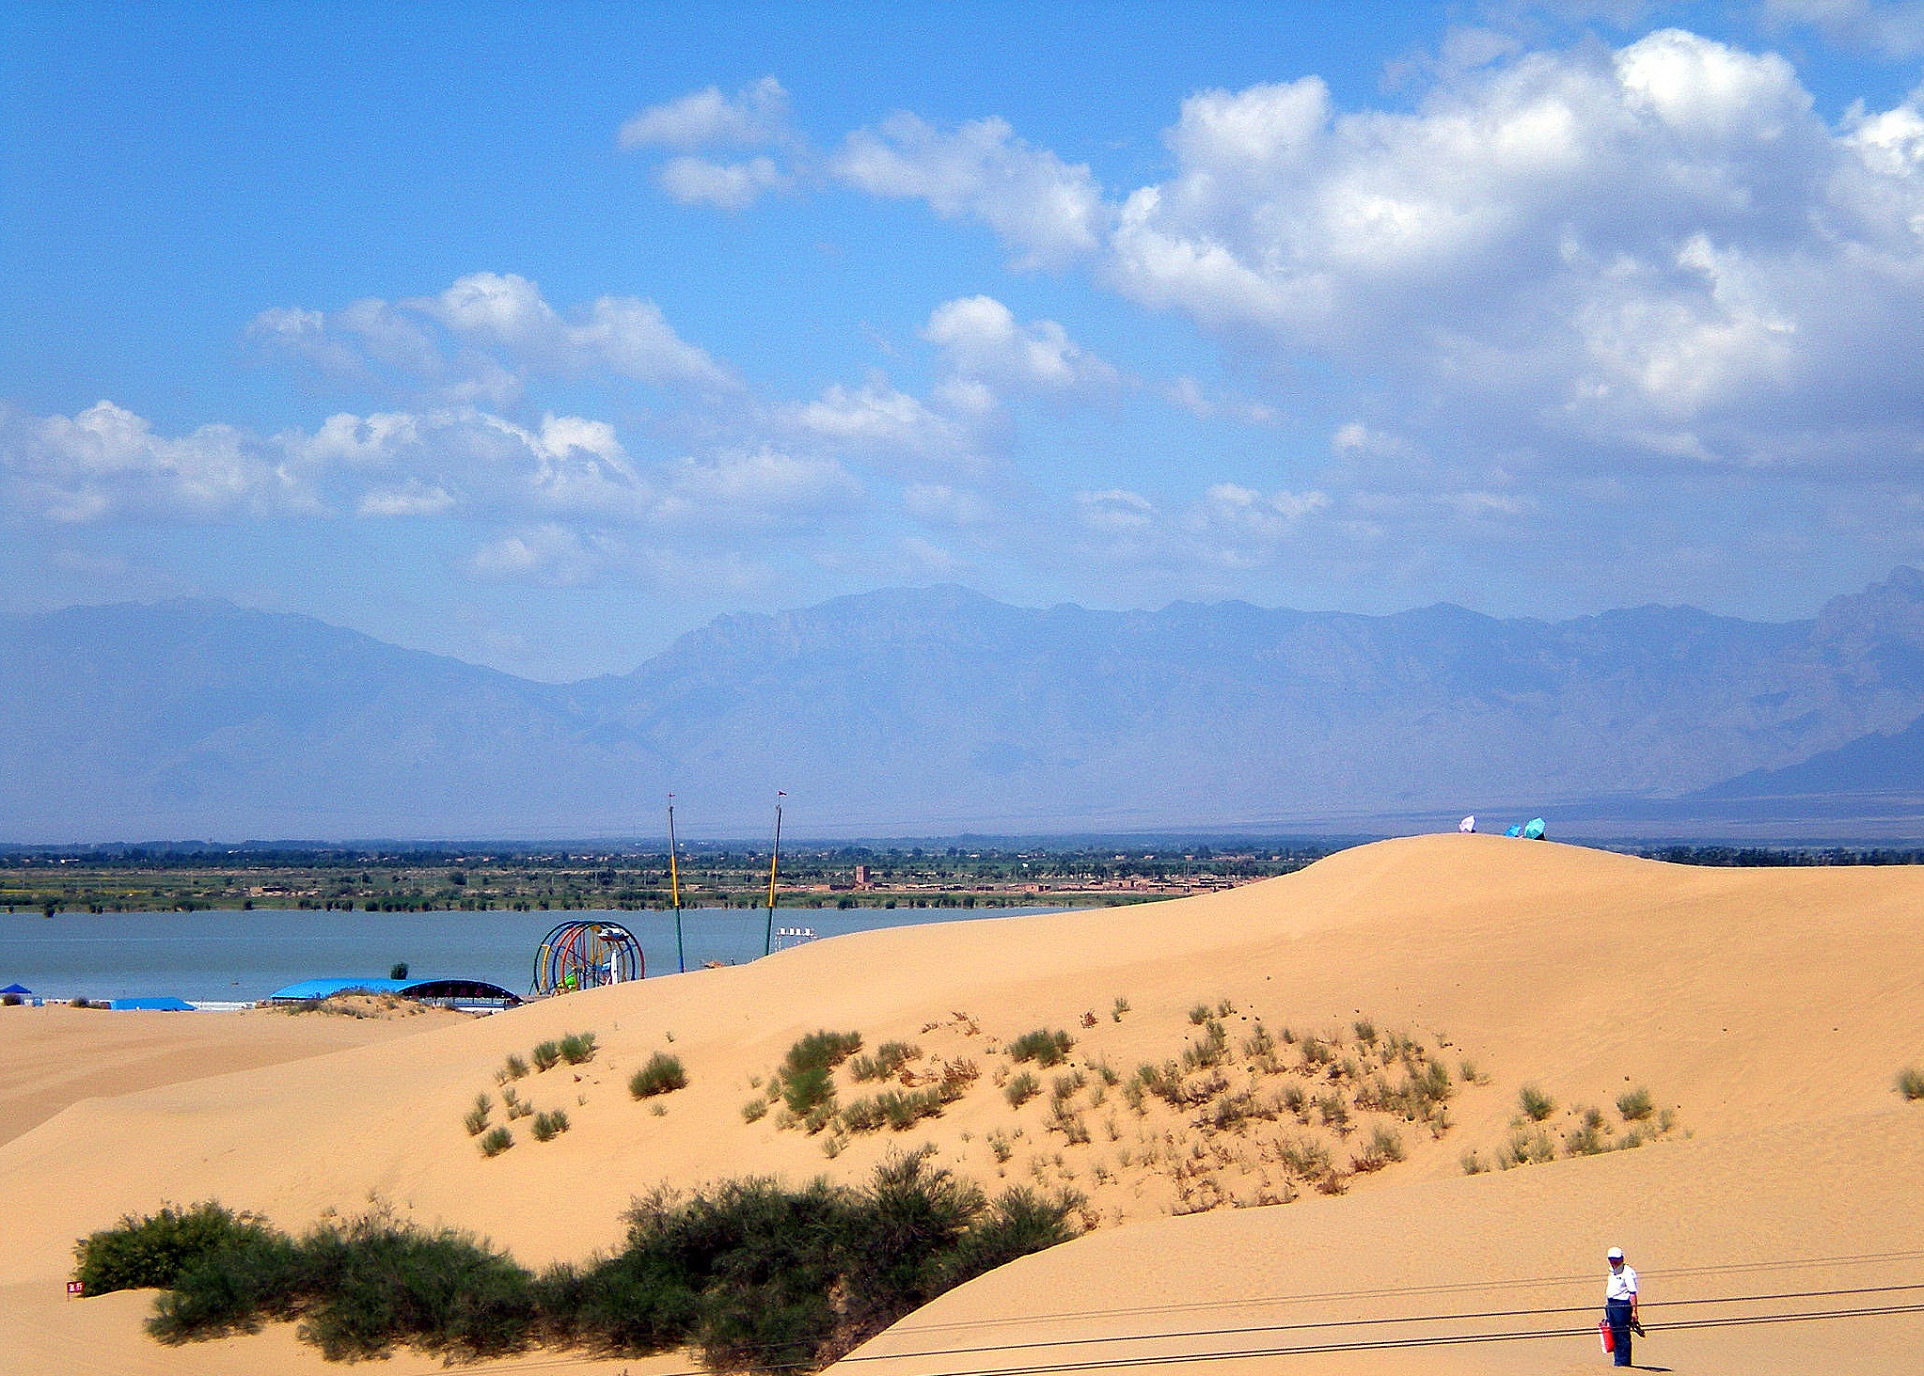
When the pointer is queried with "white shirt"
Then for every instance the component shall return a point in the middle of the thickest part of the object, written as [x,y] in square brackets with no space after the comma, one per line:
[1622,1283]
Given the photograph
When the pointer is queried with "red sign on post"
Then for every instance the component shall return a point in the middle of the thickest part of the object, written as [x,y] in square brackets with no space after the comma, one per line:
[74,1287]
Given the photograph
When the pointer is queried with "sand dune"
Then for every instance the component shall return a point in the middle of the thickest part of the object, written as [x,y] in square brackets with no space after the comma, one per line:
[60,1055]
[1768,1009]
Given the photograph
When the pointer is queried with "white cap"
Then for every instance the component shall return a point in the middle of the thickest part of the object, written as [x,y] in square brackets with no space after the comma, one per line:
[1614,1254]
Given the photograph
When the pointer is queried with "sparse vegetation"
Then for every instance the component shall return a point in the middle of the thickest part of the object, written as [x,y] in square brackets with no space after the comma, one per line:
[753,1275]
[1535,1104]
[1118,1008]
[754,1110]
[578,1048]
[663,1074]
[886,1063]
[496,1141]
[1199,1014]
[1021,1089]
[1043,1047]
[548,1126]
[476,1121]
[1910,1083]
[1635,1105]
[513,1068]
[546,1056]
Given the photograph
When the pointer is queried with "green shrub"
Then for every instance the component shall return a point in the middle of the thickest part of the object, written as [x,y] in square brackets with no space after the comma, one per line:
[1118,1008]
[151,1252]
[754,1275]
[377,1284]
[1635,1105]
[513,1068]
[1043,1047]
[1199,1014]
[578,1047]
[754,1109]
[1910,1083]
[496,1141]
[663,1074]
[903,1111]
[1021,1089]
[1211,1050]
[806,1091]
[1536,1105]
[1365,1030]
[548,1126]
[864,1115]
[546,1056]
[821,1051]
[886,1063]
[476,1121]
[1384,1146]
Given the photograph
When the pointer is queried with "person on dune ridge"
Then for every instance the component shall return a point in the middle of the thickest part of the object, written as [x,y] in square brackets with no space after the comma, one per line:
[1620,1305]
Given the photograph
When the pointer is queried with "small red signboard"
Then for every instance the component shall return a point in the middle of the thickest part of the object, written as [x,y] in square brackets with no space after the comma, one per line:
[74,1287]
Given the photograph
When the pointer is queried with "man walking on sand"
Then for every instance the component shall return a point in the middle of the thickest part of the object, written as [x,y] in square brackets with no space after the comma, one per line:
[1620,1305]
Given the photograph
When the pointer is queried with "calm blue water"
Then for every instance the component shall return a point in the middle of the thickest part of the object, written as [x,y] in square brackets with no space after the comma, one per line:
[248,955]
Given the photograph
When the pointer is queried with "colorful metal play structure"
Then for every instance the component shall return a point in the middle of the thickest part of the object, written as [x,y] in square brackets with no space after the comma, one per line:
[586,955]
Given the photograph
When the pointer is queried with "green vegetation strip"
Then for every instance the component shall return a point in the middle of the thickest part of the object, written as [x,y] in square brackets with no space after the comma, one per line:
[753,1275]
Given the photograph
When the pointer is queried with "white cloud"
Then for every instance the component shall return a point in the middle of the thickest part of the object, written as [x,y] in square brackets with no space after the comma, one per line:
[1047,210]
[900,430]
[1115,510]
[549,555]
[726,186]
[981,340]
[755,115]
[479,341]
[411,498]
[1561,249]
[106,462]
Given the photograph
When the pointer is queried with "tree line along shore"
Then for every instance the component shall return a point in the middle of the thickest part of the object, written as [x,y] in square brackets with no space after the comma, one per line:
[140,879]
[190,879]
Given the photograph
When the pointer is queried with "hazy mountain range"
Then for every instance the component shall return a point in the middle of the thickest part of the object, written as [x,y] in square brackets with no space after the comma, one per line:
[938,710]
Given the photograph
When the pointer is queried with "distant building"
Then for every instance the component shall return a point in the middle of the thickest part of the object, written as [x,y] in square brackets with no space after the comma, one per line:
[862,881]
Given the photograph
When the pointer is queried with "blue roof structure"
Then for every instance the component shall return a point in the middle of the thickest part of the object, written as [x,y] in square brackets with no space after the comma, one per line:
[452,990]
[151,1005]
[16,989]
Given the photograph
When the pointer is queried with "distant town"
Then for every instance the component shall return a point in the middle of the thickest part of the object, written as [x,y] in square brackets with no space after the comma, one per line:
[151,879]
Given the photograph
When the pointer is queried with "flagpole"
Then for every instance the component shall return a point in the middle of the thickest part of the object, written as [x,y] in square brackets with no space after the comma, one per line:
[774,858]
[674,889]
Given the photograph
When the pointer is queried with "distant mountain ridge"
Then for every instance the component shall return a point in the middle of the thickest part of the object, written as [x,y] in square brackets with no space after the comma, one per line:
[931,710]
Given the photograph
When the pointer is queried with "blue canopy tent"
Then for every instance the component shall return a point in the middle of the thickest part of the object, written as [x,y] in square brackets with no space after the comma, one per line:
[16,989]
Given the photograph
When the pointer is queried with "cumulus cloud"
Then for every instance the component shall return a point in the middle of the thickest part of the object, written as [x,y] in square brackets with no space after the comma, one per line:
[107,462]
[902,432]
[981,340]
[480,339]
[755,115]
[1047,210]
[1663,241]
[726,186]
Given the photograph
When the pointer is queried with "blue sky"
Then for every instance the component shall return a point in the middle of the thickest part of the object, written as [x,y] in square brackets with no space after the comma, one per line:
[538,335]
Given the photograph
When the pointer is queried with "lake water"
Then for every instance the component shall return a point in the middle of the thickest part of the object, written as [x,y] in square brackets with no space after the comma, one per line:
[211,956]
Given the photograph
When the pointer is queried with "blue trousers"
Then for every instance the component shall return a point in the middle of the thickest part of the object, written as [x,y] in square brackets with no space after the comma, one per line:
[1617,1313]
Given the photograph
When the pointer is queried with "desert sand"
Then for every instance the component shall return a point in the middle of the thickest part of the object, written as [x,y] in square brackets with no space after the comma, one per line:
[1768,1011]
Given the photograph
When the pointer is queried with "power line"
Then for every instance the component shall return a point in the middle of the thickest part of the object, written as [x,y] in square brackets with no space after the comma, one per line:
[1311,1325]
[1435,1340]
[1459,1287]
